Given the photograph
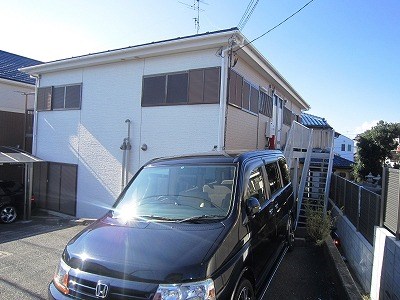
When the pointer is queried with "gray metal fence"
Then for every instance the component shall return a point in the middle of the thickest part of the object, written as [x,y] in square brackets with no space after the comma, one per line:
[360,205]
[390,215]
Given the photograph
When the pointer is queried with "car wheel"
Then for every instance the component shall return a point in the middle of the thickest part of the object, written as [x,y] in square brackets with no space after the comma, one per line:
[290,234]
[8,214]
[244,291]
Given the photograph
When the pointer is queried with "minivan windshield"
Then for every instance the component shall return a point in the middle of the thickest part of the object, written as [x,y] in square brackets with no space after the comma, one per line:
[183,193]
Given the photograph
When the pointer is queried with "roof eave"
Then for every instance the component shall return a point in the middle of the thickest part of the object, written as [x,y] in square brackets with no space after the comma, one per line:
[255,55]
[178,45]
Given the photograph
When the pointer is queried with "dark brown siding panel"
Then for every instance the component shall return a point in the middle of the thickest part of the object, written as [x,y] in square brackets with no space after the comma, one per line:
[68,190]
[53,191]
[11,128]
[254,96]
[211,85]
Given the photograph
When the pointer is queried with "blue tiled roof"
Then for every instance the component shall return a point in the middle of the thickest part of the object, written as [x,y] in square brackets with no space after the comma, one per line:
[314,121]
[10,63]
[342,163]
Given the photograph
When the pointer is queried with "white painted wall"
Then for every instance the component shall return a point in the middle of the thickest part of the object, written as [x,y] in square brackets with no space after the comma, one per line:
[341,139]
[11,97]
[91,137]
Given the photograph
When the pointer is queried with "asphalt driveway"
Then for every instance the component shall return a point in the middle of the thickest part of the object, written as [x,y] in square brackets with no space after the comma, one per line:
[29,254]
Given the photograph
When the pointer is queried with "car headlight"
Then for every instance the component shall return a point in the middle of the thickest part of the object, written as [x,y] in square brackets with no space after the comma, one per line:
[60,278]
[202,290]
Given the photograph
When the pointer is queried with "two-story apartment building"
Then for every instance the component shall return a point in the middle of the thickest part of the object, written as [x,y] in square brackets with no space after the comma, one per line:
[99,117]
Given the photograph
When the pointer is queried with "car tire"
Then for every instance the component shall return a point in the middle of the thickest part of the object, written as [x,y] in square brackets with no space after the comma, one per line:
[244,291]
[290,234]
[8,214]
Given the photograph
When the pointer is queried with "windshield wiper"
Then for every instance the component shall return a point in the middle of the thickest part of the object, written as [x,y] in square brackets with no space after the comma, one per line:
[200,218]
[155,218]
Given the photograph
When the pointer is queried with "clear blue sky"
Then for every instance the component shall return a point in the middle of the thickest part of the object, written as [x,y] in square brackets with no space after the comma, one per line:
[342,56]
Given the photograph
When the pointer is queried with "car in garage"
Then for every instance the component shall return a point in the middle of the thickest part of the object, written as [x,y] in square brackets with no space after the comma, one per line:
[208,227]
[11,201]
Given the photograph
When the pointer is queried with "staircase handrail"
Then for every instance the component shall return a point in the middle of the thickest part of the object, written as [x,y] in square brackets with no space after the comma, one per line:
[329,172]
[304,174]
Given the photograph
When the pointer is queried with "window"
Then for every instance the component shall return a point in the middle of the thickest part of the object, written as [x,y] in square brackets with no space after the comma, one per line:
[287,116]
[273,177]
[255,186]
[349,147]
[242,93]
[343,147]
[59,97]
[284,171]
[44,98]
[266,104]
[193,86]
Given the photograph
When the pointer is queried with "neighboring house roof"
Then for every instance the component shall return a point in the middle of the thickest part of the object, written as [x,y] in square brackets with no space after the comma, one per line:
[338,162]
[312,121]
[342,163]
[10,63]
[221,39]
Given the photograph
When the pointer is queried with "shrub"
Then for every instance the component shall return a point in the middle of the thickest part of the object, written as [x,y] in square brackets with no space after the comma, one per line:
[318,225]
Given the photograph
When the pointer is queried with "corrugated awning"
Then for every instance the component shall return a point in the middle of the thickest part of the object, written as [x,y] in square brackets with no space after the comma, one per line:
[10,155]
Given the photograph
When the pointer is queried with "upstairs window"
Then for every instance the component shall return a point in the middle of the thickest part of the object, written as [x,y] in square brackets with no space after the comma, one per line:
[242,93]
[190,87]
[287,116]
[266,104]
[349,147]
[343,148]
[59,97]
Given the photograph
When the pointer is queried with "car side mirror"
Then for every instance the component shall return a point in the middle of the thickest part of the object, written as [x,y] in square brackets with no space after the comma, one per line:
[252,206]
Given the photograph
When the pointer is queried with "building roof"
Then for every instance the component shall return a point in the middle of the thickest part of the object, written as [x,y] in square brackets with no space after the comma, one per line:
[10,155]
[221,40]
[312,121]
[10,63]
[342,163]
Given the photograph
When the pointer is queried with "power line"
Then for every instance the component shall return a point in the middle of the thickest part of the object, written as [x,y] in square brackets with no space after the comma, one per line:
[247,14]
[276,26]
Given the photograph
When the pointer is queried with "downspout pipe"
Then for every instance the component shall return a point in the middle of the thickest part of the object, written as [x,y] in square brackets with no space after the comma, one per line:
[128,148]
[35,116]
[223,97]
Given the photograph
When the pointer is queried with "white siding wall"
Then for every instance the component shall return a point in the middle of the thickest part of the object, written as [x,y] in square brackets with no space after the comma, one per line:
[11,98]
[91,137]
[338,147]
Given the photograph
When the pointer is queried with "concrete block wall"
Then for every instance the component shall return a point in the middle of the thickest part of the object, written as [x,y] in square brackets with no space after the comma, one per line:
[386,270]
[357,250]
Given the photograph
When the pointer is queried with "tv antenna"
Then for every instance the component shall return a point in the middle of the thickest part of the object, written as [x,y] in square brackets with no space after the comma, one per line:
[195,6]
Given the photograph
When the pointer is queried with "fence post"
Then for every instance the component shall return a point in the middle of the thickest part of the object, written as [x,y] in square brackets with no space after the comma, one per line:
[385,177]
[398,214]
[359,208]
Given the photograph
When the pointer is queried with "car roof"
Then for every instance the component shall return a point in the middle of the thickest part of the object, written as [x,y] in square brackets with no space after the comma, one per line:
[217,157]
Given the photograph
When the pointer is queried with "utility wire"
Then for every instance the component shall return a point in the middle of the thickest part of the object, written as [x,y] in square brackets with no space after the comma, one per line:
[247,14]
[276,26]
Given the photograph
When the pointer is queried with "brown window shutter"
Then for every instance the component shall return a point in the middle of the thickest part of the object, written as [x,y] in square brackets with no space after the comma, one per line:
[177,88]
[44,98]
[239,90]
[153,90]
[232,86]
[246,95]
[73,96]
[196,84]
[211,85]
[254,100]
[58,97]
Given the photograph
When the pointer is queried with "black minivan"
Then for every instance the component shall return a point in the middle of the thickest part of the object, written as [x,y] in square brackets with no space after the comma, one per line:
[206,226]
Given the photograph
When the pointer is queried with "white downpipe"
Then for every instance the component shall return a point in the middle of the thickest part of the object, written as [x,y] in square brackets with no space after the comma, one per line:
[35,117]
[223,99]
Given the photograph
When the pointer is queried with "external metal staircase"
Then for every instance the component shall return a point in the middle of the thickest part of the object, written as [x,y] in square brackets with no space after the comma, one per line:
[306,151]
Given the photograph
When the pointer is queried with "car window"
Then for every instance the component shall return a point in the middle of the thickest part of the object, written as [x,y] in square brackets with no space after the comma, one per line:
[256,186]
[273,177]
[284,171]
[179,192]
